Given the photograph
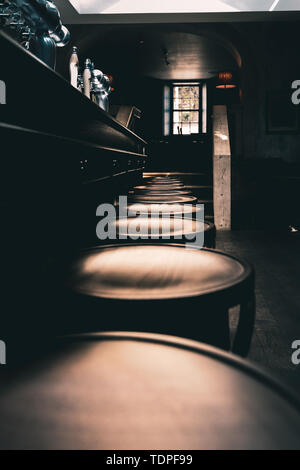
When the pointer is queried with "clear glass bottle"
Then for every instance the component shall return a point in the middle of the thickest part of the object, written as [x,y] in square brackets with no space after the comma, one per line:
[73,67]
[88,66]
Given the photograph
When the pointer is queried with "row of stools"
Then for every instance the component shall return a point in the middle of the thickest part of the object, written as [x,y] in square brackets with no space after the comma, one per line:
[168,211]
[157,281]
[136,389]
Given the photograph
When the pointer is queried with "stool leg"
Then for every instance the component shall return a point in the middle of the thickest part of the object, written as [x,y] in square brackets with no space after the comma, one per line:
[242,340]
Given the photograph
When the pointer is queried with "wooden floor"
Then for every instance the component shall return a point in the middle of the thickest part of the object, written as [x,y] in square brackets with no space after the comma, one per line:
[276,258]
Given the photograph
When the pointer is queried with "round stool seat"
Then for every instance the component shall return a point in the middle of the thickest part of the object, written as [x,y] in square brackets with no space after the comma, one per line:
[161,192]
[163,180]
[176,210]
[163,199]
[163,183]
[156,187]
[163,229]
[160,282]
[155,271]
[131,391]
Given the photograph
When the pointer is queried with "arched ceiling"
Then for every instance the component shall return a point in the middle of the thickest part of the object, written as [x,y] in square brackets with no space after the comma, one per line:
[154,53]
[182,56]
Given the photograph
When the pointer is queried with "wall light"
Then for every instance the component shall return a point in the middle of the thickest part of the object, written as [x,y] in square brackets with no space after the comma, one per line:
[225,80]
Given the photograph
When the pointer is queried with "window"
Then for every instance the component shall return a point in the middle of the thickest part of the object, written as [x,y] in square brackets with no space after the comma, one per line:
[185,109]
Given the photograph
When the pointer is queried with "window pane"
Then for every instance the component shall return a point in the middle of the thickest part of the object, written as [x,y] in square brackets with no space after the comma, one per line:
[186,129]
[176,129]
[186,97]
[186,92]
[194,128]
[186,116]
[186,104]
[194,116]
[177,116]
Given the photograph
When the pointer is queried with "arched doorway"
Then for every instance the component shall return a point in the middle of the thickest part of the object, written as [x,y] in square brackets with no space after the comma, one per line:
[144,59]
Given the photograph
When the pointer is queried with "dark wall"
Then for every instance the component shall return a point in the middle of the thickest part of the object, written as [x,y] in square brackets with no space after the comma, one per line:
[271,62]
[145,94]
[265,166]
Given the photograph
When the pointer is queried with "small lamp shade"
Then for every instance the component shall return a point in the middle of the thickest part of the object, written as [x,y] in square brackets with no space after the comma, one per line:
[226,80]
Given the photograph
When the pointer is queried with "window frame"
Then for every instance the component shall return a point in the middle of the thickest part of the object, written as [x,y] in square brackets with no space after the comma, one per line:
[168,108]
[174,110]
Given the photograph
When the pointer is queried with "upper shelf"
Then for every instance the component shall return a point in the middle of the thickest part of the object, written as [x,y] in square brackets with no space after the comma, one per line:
[39,98]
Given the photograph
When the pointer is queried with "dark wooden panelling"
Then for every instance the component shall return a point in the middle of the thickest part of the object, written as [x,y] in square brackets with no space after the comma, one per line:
[60,156]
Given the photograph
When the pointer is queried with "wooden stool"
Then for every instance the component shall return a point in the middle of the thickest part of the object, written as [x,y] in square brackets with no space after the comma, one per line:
[163,180]
[160,210]
[160,187]
[174,229]
[162,199]
[131,391]
[160,192]
[163,288]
